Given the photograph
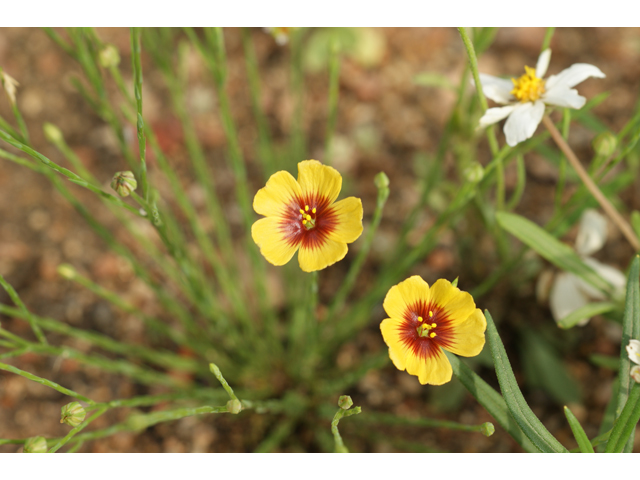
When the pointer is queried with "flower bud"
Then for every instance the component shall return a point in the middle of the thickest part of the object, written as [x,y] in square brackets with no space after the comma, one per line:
[52,133]
[635,373]
[381,181]
[35,445]
[124,183]
[72,414]
[66,271]
[633,350]
[9,84]
[109,56]
[487,429]
[605,144]
[234,406]
[345,402]
[473,173]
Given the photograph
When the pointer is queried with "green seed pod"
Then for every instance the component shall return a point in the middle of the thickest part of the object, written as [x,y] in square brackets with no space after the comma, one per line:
[381,180]
[605,144]
[35,445]
[109,56]
[234,406]
[52,133]
[473,173]
[124,183]
[345,402]
[72,414]
[66,271]
[488,429]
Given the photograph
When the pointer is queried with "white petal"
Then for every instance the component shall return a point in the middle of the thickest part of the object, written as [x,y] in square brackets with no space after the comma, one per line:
[497,89]
[563,96]
[566,297]
[573,75]
[494,115]
[523,121]
[611,275]
[543,63]
[633,350]
[592,232]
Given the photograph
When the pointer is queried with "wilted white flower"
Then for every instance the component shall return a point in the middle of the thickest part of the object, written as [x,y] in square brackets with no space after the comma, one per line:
[633,350]
[525,97]
[569,292]
[9,84]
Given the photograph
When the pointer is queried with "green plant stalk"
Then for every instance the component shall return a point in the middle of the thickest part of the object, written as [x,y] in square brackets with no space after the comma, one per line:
[522,414]
[491,400]
[265,143]
[334,93]
[339,444]
[75,430]
[137,88]
[21,125]
[45,382]
[562,171]
[548,35]
[218,374]
[21,306]
[578,432]
[349,280]
[4,125]
[161,358]
[67,173]
[378,418]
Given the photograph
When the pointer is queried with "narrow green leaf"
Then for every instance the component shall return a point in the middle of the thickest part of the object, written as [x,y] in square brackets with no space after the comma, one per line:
[625,424]
[522,414]
[561,255]
[429,79]
[635,222]
[588,311]
[605,361]
[630,329]
[491,400]
[583,441]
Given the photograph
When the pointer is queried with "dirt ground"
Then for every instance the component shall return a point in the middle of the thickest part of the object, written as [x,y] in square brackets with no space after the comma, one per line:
[385,121]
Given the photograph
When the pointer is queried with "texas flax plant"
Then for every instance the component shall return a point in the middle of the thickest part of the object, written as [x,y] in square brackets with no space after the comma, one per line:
[205,210]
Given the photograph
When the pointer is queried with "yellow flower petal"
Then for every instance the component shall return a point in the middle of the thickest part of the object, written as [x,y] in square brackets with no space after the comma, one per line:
[434,370]
[281,189]
[397,351]
[330,252]
[469,335]
[319,180]
[408,292]
[348,220]
[273,245]
[456,304]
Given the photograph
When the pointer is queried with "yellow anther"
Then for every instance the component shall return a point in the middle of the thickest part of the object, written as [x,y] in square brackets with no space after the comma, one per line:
[528,87]
[420,319]
[433,325]
[430,314]
[302,211]
[306,208]
[432,334]
[313,211]
[308,217]
[304,222]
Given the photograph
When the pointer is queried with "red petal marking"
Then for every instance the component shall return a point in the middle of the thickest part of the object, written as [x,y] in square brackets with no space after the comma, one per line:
[291,223]
[426,347]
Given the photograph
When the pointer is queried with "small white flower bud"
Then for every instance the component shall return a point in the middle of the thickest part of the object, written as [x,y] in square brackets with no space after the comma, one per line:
[109,56]
[381,180]
[72,414]
[124,183]
[635,373]
[633,349]
[9,84]
[35,445]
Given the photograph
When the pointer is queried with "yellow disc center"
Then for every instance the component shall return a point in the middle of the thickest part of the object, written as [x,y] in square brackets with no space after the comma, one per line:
[528,88]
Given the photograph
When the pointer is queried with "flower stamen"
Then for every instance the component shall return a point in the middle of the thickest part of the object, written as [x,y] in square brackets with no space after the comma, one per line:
[528,88]
[308,220]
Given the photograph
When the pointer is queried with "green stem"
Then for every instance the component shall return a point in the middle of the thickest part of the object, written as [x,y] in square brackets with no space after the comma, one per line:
[339,444]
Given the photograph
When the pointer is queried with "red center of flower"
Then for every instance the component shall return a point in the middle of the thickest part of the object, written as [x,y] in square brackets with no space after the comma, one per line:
[425,328]
[308,220]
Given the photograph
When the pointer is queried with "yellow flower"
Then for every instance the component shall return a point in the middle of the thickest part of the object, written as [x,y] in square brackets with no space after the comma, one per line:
[426,320]
[302,215]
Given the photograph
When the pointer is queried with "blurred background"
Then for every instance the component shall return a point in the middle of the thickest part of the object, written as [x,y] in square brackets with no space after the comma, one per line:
[395,101]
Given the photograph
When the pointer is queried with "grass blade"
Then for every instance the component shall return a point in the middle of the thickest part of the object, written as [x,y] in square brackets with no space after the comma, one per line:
[583,441]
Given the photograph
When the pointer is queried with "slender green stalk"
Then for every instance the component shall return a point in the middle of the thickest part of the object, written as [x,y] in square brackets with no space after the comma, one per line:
[546,43]
[21,306]
[334,93]
[218,374]
[378,418]
[341,413]
[45,382]
[562,169]
[137,89]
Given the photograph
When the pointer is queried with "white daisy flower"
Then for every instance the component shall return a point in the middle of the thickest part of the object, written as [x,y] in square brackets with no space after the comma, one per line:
[526,97]
[633,350]
[569,292]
